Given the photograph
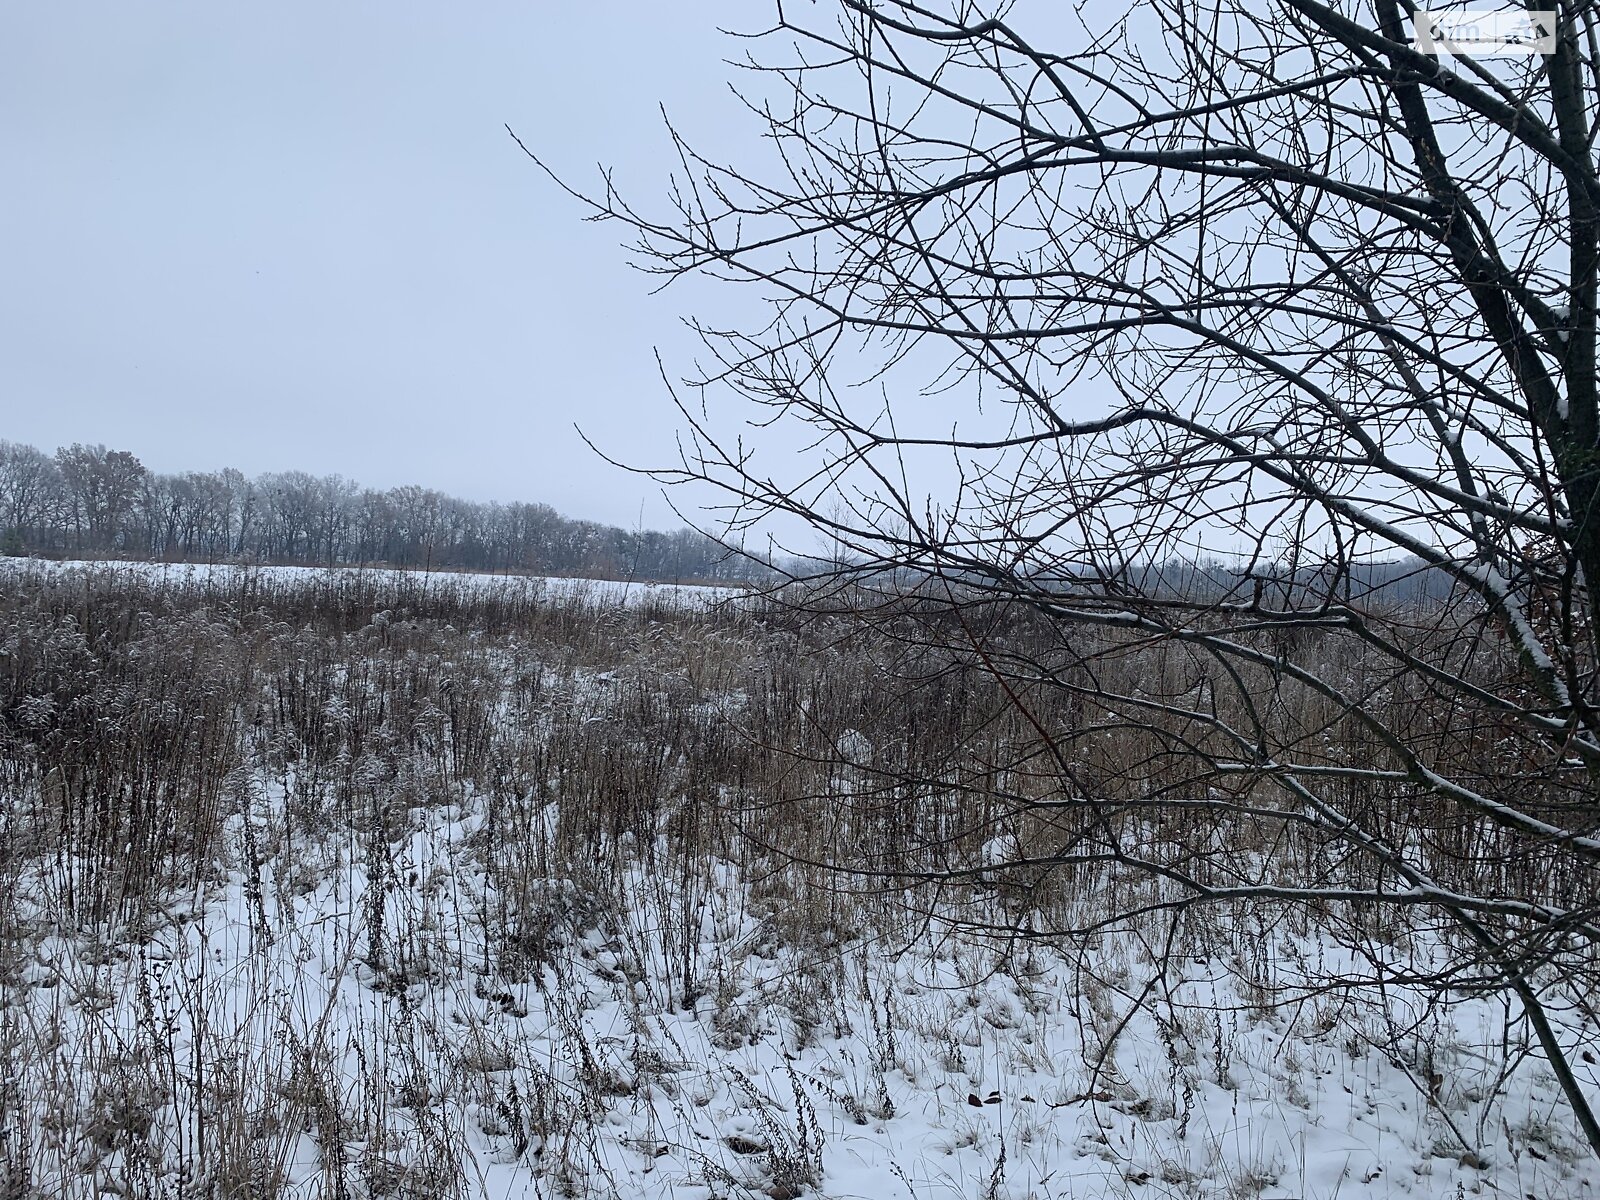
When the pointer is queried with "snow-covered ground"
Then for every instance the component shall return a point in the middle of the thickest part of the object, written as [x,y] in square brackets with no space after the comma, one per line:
[224,574]
[391,983]
[355,1018]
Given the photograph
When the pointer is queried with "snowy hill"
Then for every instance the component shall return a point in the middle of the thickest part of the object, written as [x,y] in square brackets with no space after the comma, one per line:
[457,916]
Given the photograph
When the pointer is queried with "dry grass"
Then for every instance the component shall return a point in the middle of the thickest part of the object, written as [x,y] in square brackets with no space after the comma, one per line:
[158,740]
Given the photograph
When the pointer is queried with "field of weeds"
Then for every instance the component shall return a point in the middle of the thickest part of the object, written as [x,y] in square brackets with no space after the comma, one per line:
[327,884]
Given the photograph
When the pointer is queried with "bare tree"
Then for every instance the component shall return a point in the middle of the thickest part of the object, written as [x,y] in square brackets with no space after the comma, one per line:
[29,491]
[102,487]
[1254,281]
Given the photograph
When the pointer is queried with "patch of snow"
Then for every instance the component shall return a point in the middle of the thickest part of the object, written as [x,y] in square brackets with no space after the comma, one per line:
[954,1069]
[603,591]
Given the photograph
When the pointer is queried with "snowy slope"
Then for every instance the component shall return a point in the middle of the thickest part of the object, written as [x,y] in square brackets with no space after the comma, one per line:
[394,984]
[343,990]
[223,574]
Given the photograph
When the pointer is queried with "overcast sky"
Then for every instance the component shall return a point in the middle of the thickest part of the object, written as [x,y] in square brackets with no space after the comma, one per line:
[296,235]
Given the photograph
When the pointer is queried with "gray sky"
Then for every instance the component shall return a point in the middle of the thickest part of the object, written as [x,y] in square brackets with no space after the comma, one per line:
[296,235]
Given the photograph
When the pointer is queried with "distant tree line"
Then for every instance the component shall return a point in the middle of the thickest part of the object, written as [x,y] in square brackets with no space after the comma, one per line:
[88,500]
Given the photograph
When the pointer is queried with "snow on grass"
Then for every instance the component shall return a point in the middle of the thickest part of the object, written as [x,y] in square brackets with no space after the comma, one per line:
[600,591]
[361,1013]
[393,983]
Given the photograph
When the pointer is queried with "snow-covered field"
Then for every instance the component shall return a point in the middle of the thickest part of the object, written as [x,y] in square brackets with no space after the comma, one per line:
[403,974]
[315,997]
[229,574]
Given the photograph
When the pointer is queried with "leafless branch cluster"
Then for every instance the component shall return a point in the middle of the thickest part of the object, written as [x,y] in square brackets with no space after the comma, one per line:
[1057,318]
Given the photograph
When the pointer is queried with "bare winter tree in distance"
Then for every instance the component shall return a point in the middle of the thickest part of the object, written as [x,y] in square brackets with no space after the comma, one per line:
[1065,313]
